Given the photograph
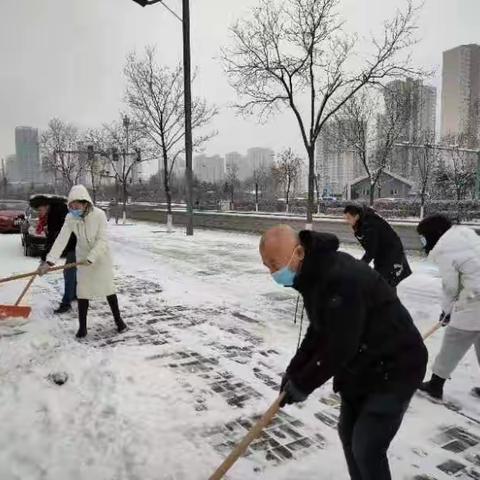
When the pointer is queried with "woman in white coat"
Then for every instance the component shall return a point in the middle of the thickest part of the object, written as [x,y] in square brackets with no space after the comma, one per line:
[95,277]
[456,251]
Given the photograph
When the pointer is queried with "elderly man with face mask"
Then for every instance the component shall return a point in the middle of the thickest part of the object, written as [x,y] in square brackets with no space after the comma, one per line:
[359,333]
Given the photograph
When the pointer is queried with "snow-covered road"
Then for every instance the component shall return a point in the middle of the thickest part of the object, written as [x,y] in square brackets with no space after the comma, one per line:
[210,336]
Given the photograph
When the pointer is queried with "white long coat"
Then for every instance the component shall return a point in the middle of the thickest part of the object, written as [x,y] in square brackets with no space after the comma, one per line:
[95,280]
[457,255]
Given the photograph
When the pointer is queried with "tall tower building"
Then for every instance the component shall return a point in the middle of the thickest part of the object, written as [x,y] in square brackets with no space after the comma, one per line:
[461,92]
[27,154]
[419,103]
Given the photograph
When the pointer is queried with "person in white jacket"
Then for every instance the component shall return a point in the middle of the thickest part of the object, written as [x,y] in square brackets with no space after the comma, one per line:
[95,276]
[456,251]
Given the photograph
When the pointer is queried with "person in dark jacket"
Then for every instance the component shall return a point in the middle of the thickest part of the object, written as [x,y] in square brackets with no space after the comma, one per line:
[381,243]
[359,333]
[55,210]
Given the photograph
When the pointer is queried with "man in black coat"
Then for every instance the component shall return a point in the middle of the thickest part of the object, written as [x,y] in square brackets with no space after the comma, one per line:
[55,208]
[359,333]
[381,243]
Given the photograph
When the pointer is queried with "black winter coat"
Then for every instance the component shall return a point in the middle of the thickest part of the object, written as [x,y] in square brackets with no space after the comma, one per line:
[383,246]
[55,219]
[359,331]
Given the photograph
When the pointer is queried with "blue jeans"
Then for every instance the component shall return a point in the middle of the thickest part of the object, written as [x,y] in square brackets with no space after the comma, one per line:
[367,426]
[70,279]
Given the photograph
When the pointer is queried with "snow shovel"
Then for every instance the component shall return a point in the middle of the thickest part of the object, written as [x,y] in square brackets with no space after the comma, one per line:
[254,432]
[23,311]
[17,310]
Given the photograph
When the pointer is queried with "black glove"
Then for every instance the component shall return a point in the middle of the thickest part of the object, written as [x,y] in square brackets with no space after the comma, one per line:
[293,394]
[444,319]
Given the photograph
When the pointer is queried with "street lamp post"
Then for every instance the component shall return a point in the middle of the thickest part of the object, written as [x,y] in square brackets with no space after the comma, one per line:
[187,91]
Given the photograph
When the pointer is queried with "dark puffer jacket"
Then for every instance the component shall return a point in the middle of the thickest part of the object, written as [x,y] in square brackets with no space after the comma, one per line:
[57,212]
[359,331]
[383,246]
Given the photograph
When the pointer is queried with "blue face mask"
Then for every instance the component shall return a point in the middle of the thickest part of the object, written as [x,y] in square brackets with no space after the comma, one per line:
[75,212]
[285,276]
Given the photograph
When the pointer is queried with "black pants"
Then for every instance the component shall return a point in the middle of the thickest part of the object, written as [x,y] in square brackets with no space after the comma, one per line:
[366,428]
[83,305]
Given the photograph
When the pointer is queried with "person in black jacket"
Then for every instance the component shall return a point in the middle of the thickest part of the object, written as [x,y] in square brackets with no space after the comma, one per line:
[359,333]
[381,243]
[55,208]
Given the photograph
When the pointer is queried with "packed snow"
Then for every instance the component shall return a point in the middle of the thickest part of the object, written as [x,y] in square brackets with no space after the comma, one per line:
[210,334]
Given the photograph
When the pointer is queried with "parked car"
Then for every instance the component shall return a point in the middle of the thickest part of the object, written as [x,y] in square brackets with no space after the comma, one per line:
[12,214]
[34,244]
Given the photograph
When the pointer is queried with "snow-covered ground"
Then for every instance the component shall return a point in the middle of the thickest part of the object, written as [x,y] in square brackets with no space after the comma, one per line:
[210,336]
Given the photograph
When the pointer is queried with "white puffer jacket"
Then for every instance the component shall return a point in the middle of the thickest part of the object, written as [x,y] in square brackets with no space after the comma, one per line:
[95,280]
[457,255]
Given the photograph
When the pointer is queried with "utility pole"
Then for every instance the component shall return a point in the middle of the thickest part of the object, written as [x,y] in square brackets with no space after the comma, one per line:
[187,91]
[188,113]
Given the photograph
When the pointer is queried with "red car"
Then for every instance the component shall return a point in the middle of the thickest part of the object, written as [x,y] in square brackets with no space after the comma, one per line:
[12,215]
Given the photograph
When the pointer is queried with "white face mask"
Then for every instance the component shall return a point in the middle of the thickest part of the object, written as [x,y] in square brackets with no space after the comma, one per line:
[423,241]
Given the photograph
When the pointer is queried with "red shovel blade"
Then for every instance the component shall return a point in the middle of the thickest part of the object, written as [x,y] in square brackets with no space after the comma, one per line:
[14,311]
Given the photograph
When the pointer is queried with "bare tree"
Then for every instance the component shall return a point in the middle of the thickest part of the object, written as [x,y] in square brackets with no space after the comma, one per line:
[259,180]
[458,168]
[373,135]
[94,142]
[296,52]
[426,159]
[231,182]
[155,96]
[287,171]
[126,145]
[59,145]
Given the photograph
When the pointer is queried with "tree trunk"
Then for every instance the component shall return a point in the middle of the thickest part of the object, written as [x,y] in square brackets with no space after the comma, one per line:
[311,186]
[94,191]
[256,196]
[124,206]
[372,193]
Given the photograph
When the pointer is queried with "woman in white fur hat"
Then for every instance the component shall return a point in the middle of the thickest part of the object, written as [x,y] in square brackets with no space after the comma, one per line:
[95,277]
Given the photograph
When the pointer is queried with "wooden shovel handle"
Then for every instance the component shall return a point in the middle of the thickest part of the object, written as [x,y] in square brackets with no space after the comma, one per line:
[254,432]
[25,290]
[31,274]
[432,330]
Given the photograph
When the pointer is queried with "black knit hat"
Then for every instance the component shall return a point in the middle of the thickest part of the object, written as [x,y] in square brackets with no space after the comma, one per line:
[432,228]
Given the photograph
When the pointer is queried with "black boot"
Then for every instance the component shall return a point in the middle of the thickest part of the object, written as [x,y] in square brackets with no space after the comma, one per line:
[434,387]
[63,308]
[82,317]
[476,392]
[113,302]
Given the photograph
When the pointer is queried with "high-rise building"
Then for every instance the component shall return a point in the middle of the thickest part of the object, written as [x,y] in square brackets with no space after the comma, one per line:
[417,103]
[258,157]
[337,164]
[209,169]
[240,163]
[461,92]
[12,170]
[27,153]
[414,104]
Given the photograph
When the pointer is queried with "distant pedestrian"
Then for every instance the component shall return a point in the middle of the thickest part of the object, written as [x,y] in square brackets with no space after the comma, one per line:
[381,243]
[456,251]
[52,211]
[95,277]
[359,333]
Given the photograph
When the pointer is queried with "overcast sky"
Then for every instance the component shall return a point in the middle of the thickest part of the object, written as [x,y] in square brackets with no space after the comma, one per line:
[64,58]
